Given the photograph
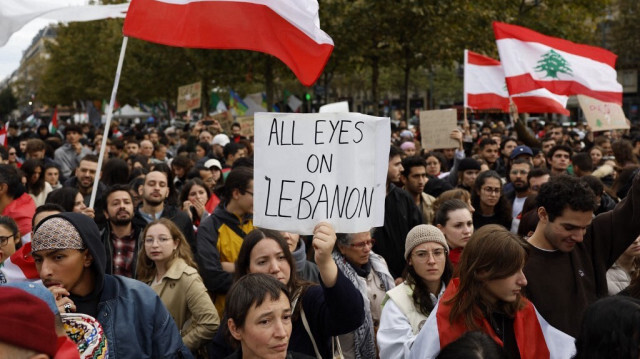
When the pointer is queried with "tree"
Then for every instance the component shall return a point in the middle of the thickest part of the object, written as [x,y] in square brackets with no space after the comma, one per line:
[8,102]
[552,63]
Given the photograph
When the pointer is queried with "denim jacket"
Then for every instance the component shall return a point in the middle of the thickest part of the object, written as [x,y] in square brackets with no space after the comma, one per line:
[136,323]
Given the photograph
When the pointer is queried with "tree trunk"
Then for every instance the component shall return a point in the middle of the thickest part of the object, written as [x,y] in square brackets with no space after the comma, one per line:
[375,74]
[268,79]
[407,73]
[205,97]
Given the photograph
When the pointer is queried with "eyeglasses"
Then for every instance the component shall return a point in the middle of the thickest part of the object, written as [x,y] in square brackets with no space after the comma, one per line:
[160,240]
[519,172]
[489,190]
[371,242]
[249,192]
[5,239]
[423,255]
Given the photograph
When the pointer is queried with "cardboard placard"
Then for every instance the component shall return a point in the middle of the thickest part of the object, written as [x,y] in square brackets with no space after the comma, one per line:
[436,127]
[602,116]
[226,120]
[246,125]
[320,167]
[189,96]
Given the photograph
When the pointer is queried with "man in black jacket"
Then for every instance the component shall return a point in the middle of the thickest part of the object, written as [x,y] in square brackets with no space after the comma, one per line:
[154,191]
[400,215]
[120,236]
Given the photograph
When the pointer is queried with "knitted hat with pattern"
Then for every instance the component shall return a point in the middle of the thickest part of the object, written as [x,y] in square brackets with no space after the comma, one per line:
[421,234]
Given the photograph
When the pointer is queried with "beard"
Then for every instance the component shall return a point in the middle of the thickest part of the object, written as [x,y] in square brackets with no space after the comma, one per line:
[118,222]
[152,202]
[521,187]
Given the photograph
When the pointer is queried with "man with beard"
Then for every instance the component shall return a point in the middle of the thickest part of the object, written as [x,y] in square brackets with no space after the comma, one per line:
[85,174]
[154,191]
[120,236]
[518,176]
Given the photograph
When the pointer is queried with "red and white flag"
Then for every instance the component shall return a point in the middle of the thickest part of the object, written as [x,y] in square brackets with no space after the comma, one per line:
[535,337]
[485,88]
[532,60]
[14,14]
[288,30]
[4,134]
[19,267]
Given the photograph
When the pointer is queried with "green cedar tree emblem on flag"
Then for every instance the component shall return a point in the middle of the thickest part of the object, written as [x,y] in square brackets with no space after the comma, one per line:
[553,63]
[598,123]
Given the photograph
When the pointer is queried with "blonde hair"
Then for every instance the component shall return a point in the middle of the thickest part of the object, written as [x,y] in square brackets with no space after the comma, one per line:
[146,268]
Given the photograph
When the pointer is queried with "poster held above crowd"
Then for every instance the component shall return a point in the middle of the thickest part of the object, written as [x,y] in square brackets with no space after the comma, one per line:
[315,167]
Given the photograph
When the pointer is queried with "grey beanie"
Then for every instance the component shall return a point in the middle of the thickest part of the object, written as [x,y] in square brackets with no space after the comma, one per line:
[423,233]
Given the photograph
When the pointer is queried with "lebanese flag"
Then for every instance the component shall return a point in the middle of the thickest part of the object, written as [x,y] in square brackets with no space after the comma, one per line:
[535,337]
[532,60]
[288,30]
[19,267]
[485,88]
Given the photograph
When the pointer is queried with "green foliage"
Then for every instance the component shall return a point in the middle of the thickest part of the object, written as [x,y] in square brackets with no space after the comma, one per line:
[400,46]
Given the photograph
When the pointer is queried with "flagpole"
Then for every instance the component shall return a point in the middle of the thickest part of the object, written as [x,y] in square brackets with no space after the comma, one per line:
[107,124]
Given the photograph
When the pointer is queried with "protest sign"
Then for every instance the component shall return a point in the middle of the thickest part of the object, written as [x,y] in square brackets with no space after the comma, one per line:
[189,97]
[436,127]
[320,167]
[246,125]
[602,116]
[226,120]
[342,106]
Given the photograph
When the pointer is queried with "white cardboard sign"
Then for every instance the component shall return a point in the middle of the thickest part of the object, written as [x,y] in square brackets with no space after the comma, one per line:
[320,167]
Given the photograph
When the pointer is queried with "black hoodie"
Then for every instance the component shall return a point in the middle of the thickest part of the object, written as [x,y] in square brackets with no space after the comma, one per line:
[90,235]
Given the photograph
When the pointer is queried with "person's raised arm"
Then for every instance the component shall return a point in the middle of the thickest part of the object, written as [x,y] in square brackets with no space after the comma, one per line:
[324,238]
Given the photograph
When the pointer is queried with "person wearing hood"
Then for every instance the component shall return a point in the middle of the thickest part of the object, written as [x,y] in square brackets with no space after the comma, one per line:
[70,259]
[306,269]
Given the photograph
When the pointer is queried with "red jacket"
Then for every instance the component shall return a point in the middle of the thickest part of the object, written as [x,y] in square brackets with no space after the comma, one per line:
[21,210]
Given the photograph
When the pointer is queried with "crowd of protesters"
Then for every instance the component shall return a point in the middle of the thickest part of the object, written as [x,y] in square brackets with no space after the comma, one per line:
[506,244]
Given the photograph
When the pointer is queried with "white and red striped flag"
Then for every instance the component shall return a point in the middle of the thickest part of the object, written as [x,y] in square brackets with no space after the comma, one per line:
[535,337]
[532,60]
[19,267]
[4,135]
[288,30]
[485,88]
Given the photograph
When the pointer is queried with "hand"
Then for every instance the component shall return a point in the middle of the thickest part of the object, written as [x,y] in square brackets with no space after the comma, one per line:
[324,238]
[513,111]
[199,206]
[61,296]
[399,281]
[457,135]
[89,212]
[77,147]
[186,205]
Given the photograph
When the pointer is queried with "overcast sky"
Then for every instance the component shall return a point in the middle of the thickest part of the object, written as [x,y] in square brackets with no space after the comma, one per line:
[11,53]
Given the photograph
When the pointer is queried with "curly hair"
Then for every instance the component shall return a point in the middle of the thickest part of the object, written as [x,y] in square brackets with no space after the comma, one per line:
[562,192]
